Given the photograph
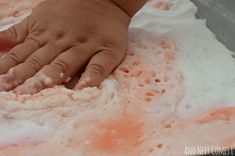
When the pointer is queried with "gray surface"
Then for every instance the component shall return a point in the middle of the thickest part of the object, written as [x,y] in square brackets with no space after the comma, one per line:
[220,15]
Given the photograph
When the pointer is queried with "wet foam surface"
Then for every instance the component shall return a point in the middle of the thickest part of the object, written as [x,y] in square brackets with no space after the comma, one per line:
[174,89]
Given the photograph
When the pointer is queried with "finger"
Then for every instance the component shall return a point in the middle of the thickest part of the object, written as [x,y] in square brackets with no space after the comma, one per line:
[18,55]
[30,67]
[60,70]
[14,35]
[98,69]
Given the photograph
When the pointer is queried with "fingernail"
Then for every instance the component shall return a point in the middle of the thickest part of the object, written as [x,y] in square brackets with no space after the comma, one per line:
[8,80]
[83,83]
[25,89]
[30,86]
[4,86]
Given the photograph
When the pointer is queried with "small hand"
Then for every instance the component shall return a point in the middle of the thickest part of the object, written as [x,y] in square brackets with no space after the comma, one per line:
[58,39]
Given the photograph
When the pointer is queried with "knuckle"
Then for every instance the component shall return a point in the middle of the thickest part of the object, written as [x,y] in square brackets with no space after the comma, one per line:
[38,32]
[112,58]
[59,34]
[110,55]
[82,39]
[35,63]
[34,41]
[61,65]
[97,69]
[12,32]
[14,57]
[109,43]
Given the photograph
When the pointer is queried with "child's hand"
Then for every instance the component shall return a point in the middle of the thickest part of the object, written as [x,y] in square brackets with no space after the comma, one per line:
[66,36]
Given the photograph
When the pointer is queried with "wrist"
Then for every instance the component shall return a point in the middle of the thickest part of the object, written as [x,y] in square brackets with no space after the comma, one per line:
[131,7]
[108,8]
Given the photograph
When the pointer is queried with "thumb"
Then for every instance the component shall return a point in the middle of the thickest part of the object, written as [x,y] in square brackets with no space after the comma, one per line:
[14,35]
[99,67]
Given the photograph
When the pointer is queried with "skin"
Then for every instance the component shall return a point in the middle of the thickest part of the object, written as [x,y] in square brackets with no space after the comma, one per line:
[62,39]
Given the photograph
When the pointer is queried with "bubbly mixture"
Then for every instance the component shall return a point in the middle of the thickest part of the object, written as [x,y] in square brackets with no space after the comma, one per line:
[174,90]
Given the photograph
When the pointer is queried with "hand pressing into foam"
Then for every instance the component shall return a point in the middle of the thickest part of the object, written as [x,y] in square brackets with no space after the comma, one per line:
[58,39]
